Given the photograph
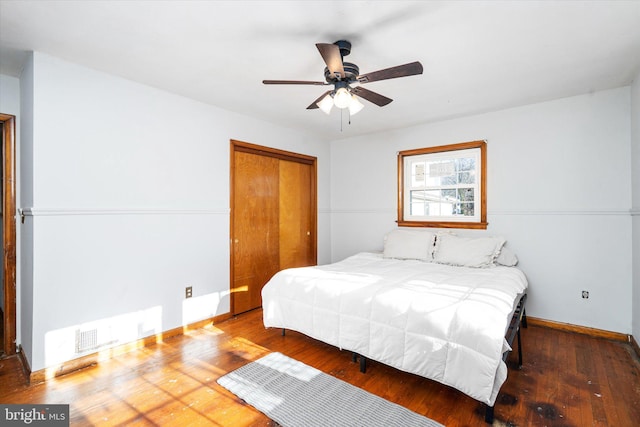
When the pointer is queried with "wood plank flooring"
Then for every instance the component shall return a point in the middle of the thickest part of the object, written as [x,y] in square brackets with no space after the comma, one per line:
[567,380]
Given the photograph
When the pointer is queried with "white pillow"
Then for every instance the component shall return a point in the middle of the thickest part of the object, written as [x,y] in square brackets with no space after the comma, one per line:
[409,244]
[507,257]
[467,251]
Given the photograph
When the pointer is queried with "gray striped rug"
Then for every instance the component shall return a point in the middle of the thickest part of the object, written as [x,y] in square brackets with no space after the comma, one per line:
[294,394]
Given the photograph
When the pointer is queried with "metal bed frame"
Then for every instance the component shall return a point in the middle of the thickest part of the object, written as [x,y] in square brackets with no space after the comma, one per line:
[519,319]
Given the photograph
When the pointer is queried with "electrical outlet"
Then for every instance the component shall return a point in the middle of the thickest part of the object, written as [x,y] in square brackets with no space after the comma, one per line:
[188,292]
[585,294]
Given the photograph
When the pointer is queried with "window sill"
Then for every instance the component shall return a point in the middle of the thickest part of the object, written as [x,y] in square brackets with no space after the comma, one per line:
[444,224]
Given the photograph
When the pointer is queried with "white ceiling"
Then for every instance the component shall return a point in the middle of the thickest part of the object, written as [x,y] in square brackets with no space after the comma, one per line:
[478,56]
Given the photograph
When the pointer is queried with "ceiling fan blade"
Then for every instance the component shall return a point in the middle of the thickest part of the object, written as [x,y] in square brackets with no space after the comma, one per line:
[293,82]
[331,55]
[370,96]
[314,104]
[405,70]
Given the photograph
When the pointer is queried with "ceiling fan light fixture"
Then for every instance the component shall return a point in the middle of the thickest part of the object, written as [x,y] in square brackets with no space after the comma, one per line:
[325,104]
[342,74]
[355,105]
[342,98]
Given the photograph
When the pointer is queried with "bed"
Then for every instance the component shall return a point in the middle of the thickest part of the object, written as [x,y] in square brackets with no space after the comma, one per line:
[435,305]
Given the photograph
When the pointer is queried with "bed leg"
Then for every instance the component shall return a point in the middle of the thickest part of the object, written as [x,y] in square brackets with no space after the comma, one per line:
[524,318]
[283,331]
[363,361]
[488,414]
[519,350]
[363,364]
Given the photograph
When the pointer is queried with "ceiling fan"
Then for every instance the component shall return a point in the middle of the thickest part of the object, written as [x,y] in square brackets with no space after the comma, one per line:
[342,75]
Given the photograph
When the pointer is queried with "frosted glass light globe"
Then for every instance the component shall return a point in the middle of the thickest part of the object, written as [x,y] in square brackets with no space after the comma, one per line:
[342,98]
[325,104]
[355,105]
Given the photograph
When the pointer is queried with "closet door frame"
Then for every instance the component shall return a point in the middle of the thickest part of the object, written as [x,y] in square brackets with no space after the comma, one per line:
[240,146]
[9,231]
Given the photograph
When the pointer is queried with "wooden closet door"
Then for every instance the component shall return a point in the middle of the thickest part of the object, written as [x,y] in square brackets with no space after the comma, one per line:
[273,218]
[255,227]
[297,228]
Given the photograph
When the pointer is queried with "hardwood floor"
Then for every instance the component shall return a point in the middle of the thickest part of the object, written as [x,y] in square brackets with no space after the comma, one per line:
[567,380]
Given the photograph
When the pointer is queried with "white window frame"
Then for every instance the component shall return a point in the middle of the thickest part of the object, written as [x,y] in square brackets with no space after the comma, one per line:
[475,149]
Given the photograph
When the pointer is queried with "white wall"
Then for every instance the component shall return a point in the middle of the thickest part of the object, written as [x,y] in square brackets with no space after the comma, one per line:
[558,189]
[130,205]
[635,180]
[9,95]
[24,281]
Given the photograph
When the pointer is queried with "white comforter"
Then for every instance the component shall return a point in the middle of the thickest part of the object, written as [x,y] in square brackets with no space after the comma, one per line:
[441,322]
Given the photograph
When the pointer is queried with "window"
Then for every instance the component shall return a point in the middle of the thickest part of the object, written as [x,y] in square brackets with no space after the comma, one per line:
[443,186]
